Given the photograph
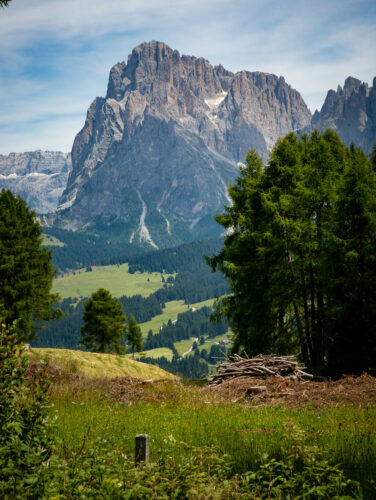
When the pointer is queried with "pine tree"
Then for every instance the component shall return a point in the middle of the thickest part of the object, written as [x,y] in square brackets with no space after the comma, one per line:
[104,323]
[300,254]
[134,336]
[26,271]
[351,270]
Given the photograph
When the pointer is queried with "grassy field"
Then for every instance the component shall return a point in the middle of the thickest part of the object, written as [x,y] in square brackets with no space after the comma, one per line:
[183,345]
[204,303]
[116,279]
[171,311]
[52,241]
[212,341]
[97,364]
[158,352]
[192,417]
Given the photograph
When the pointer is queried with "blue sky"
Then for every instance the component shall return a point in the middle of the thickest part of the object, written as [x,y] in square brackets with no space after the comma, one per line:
[55,55]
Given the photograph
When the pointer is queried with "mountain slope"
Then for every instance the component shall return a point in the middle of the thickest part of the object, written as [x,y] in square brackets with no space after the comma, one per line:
[157,153]
[39,177]
[351,112]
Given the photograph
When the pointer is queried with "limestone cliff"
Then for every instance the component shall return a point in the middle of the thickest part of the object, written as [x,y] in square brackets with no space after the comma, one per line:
[351,112]
[157,153]
[39,177]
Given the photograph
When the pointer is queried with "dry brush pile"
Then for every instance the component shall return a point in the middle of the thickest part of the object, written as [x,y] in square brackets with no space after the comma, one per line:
[261,367]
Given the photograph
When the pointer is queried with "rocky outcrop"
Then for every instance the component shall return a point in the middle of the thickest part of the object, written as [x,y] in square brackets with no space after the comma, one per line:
[157,153]
[351,112]
[39,177]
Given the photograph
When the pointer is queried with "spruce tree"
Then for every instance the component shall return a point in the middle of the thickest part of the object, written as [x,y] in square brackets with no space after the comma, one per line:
[26,271]
[300,254]
[351,270]
[104,323]
[134,336]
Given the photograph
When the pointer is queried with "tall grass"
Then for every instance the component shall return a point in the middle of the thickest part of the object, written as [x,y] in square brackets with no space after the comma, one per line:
[346,435]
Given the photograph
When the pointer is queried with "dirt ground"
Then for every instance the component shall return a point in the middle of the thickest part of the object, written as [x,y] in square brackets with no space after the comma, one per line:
[274,391]
[271,391]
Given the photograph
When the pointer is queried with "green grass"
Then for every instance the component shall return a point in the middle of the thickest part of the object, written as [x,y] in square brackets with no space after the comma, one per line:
[115,279]
[183,345]
[204,303]
[347,435]
[212,341]
[156,353]
[171,311]
[97,364]
[52,241]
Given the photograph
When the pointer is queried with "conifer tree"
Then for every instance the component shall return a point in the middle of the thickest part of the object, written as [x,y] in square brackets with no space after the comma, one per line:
[134,336]
[104,323]
[26,271]
[300,254]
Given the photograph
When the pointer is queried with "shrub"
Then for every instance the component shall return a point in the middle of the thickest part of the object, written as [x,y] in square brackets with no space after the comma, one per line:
[25,438]
[303,474]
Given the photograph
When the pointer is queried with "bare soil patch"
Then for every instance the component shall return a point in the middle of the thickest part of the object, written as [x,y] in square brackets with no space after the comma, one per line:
[252,391]
[274,391]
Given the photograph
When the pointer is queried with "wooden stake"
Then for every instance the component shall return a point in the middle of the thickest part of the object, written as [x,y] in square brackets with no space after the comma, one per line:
[142,449]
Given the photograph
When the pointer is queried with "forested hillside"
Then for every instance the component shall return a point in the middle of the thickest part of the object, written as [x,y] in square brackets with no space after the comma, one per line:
[189,280]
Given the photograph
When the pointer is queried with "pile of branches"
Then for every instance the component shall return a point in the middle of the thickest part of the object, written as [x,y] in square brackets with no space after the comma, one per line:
[261,367]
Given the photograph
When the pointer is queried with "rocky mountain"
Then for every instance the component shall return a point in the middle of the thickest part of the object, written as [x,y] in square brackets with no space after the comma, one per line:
[39,177]
[351,112]
[157,153]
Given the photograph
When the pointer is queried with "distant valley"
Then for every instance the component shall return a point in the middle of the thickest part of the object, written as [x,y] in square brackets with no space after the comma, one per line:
[131,207]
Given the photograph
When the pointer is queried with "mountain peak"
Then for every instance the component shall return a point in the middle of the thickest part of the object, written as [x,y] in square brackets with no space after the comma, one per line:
[351,84]
[157,153]
[351,112]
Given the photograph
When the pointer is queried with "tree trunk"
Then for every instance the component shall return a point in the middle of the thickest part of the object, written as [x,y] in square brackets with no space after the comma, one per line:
[306,316]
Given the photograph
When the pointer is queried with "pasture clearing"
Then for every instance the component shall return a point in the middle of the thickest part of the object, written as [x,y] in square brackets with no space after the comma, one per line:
[114,278]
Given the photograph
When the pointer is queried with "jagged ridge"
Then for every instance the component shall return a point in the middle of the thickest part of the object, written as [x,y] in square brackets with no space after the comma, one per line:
[160,149]
[38,176]
[351,112]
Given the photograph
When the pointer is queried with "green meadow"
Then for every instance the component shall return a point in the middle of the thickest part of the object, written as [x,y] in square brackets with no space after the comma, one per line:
[212,341]
[183,345]
[52,241]
[204,303]
[114,278]
[183,418]
[158,352]
[170,311]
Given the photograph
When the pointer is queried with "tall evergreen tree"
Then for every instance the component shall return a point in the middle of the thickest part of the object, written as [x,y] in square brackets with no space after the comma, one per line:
[351,270]
[300,246]
[26,271]
[134,335]
[104,323]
